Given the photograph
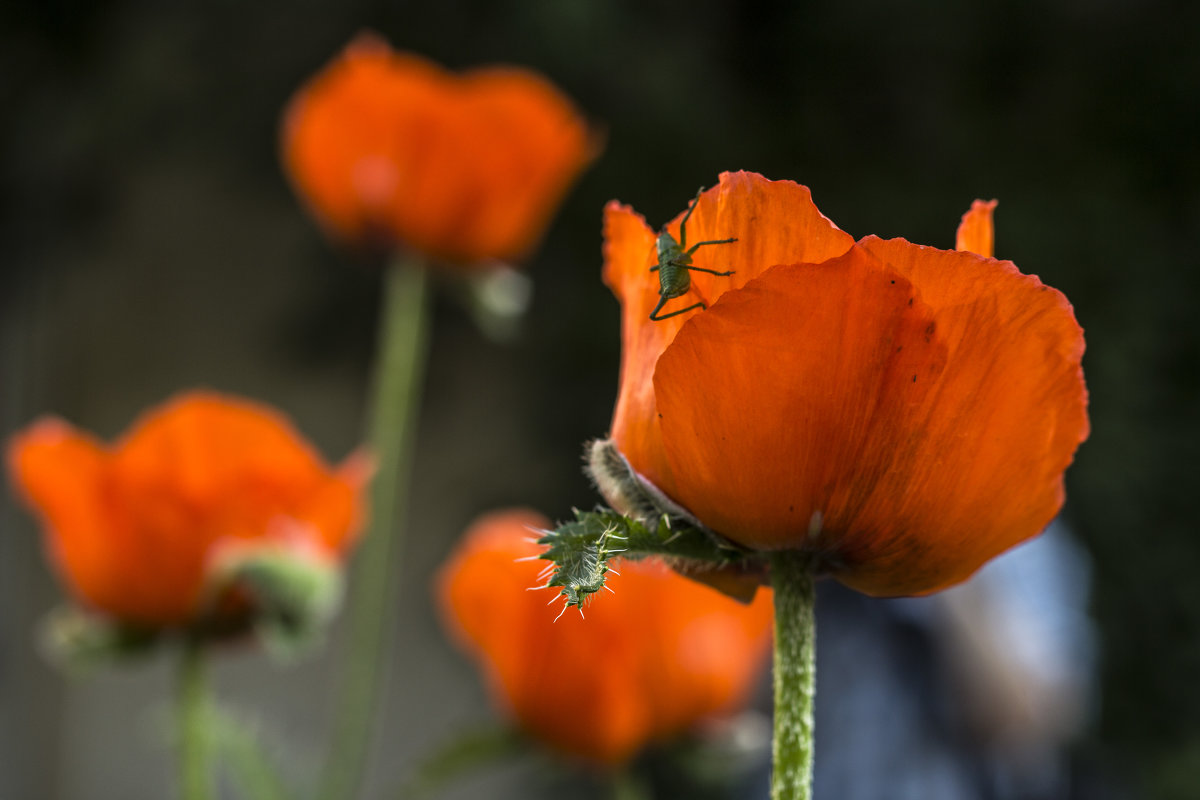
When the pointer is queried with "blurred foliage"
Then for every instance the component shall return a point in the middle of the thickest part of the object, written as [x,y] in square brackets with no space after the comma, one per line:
[1081,116]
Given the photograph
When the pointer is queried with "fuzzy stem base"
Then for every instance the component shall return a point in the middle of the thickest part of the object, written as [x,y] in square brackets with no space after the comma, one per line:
[795,675]
[399,372]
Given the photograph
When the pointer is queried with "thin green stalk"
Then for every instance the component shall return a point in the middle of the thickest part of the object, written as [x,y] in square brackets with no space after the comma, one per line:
[400,365]
[251,768]
[628,786]
[795,675]
[194,743]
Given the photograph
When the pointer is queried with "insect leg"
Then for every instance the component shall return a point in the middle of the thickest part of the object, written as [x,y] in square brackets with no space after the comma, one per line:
[683,222]
[709,271]
[662,298]
[701,244]
[673,313]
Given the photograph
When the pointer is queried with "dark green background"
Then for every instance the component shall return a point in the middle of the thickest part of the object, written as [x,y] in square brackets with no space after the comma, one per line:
[148,243]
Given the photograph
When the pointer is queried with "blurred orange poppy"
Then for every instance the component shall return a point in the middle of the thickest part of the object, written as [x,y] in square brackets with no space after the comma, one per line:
[136,528]
[650,661]
[386,146]
[901,412]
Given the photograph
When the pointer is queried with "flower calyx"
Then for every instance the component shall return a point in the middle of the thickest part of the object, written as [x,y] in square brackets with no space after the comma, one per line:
[279,594]
[642,522]
[287,594]
[76,640]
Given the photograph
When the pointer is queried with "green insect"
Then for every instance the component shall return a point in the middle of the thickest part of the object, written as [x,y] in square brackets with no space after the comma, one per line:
[675,262]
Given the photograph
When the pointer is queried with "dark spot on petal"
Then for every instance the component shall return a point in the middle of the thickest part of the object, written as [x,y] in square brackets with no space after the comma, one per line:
[793,508]
[660,416]
[898,349]
[893,280]
[914,378]
[910,301]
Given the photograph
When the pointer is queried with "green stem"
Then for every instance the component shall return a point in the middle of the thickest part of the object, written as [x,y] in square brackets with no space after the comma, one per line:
[195,770]
[795,675]
[628,786]
[399,370]
[250,766]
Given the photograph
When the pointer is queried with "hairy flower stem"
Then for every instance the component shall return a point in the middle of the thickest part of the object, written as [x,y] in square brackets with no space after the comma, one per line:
[795,675]
[195,767]
[399,372]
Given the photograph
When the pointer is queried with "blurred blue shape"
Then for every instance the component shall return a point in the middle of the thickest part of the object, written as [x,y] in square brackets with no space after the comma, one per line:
[976,692]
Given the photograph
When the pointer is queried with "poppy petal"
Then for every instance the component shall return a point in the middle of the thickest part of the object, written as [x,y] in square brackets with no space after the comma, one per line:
[61,474]
[544,142]
[774,222]
[705,647]
[628,245]
[784,404]
[335,508]
[346,172]
[1007,415]
[227,463]
[975,232]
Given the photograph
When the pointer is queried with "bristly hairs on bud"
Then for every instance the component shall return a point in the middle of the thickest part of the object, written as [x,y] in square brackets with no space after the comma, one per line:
[616,481]
[630,493]
[580,550]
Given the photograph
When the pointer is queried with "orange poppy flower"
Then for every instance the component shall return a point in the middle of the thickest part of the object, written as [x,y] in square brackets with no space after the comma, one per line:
[654,658]
[904,413]
[135,528]
[468,168]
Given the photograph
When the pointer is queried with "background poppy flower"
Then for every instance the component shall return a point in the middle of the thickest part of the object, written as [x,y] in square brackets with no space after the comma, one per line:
[652,659]
[902,412]
[135,528]
[467,168]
